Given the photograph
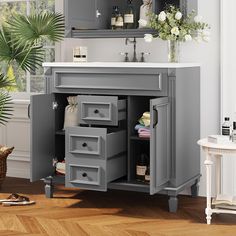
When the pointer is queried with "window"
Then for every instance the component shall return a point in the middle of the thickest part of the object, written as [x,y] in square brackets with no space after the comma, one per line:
[29,82]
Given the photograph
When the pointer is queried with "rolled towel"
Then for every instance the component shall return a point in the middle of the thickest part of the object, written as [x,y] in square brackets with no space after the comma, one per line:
[139,126]
[143,130]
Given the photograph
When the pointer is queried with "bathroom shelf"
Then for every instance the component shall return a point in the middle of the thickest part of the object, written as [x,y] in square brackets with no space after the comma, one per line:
[108,33]
[136,137]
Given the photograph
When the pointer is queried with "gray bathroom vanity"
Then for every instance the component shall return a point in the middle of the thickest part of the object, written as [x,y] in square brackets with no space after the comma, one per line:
[101,152]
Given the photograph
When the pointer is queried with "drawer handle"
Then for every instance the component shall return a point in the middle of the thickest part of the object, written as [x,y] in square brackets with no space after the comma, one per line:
[84,144]
[96,111]
[84,174]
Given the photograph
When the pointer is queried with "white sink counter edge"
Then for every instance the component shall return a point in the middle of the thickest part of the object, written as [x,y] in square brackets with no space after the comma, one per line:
[121,64]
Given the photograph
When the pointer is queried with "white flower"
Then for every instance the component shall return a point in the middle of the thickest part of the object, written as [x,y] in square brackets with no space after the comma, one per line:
[206,39]
[162,16]
[175,31]
[142,22]
[188,37]
[178,15]
[206,32]
[198,39]
[198,18]
[148,38]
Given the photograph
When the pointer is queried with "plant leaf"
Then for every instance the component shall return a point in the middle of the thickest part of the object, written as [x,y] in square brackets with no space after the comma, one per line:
[5,107]
[37,27]
[5,82]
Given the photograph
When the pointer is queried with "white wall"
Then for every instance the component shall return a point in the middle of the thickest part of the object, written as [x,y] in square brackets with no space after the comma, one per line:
[208,54]
[228,95]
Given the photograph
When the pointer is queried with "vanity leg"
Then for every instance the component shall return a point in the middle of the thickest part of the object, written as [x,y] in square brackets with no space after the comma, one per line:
[208,163]
[48,187]
[173,203]
[195,189]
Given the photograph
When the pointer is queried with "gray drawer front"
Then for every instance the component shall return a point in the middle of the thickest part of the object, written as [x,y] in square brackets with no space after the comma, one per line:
[99,169]
[84,174]
[136,81]
[101,110]
[85,144]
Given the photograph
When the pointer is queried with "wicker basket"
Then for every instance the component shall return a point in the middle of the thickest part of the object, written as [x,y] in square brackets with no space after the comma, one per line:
[4,152]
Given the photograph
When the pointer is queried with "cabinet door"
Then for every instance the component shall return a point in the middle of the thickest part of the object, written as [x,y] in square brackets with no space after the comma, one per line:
[42,136]
[89,14]
[159,144]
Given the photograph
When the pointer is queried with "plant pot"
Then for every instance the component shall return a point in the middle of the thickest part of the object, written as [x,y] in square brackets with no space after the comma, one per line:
[4,153]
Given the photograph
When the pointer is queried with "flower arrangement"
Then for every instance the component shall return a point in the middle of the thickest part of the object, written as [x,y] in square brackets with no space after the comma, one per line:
[172,26]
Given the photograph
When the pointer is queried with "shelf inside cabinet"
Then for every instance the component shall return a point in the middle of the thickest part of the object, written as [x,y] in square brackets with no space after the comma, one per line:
[136,137]
[108,33]
[60,132]
[132,185]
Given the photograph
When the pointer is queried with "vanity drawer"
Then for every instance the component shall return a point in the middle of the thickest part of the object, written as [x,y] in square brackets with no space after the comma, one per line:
[109,80]
[85,144]
[94,143]
[84,174]
[95,167]
[101,110]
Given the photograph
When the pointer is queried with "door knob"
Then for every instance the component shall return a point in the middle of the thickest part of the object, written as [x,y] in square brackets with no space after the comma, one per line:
[84,174]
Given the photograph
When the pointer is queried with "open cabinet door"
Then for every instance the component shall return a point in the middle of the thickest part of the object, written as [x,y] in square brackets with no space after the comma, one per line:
[42,136]
[159,144]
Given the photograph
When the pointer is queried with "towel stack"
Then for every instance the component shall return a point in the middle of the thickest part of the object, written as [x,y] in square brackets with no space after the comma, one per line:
[143,127]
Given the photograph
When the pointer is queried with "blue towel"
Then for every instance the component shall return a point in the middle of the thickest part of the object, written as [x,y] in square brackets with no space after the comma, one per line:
[139,126]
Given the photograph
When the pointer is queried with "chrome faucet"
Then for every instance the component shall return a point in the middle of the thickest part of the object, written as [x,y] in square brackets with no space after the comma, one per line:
[134,42]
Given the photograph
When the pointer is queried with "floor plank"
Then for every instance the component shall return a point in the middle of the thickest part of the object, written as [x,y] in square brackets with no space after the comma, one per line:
[117,213]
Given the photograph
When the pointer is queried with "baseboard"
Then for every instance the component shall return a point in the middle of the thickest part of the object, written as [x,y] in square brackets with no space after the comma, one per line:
[19,169]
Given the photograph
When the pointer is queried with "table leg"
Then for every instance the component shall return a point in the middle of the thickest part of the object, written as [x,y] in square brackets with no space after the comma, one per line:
[208,163]
[218,174]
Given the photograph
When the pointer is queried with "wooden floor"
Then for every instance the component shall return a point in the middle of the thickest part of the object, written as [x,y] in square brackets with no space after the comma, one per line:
[76,212]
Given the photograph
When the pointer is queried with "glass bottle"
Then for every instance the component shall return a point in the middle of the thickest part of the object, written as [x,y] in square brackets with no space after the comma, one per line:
[119,21]
[233,135]
[129,16]
[226,127]
[114,14]
[141,167]
[147,174]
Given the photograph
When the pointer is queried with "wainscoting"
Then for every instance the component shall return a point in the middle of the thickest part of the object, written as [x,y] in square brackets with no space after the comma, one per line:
[17,133]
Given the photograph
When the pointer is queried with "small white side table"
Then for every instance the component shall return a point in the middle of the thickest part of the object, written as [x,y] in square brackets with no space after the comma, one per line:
[217,151]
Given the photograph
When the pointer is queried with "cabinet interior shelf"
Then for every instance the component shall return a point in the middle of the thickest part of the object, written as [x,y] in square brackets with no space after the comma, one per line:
[108,33]
[136,137]
[132,185]
[60,132]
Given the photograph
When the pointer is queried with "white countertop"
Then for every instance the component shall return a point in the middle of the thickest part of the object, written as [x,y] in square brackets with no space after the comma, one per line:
[121,64]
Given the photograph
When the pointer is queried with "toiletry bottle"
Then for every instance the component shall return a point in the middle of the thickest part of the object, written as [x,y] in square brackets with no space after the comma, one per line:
[129,16]
[141,167]
[233,135]
[113,17]
[226,127]
[147,174]
[119,21]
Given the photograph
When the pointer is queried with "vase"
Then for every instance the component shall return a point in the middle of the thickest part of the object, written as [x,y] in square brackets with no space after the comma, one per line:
[173,51]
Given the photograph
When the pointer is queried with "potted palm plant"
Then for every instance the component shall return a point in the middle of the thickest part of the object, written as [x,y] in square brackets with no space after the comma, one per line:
[21,48]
